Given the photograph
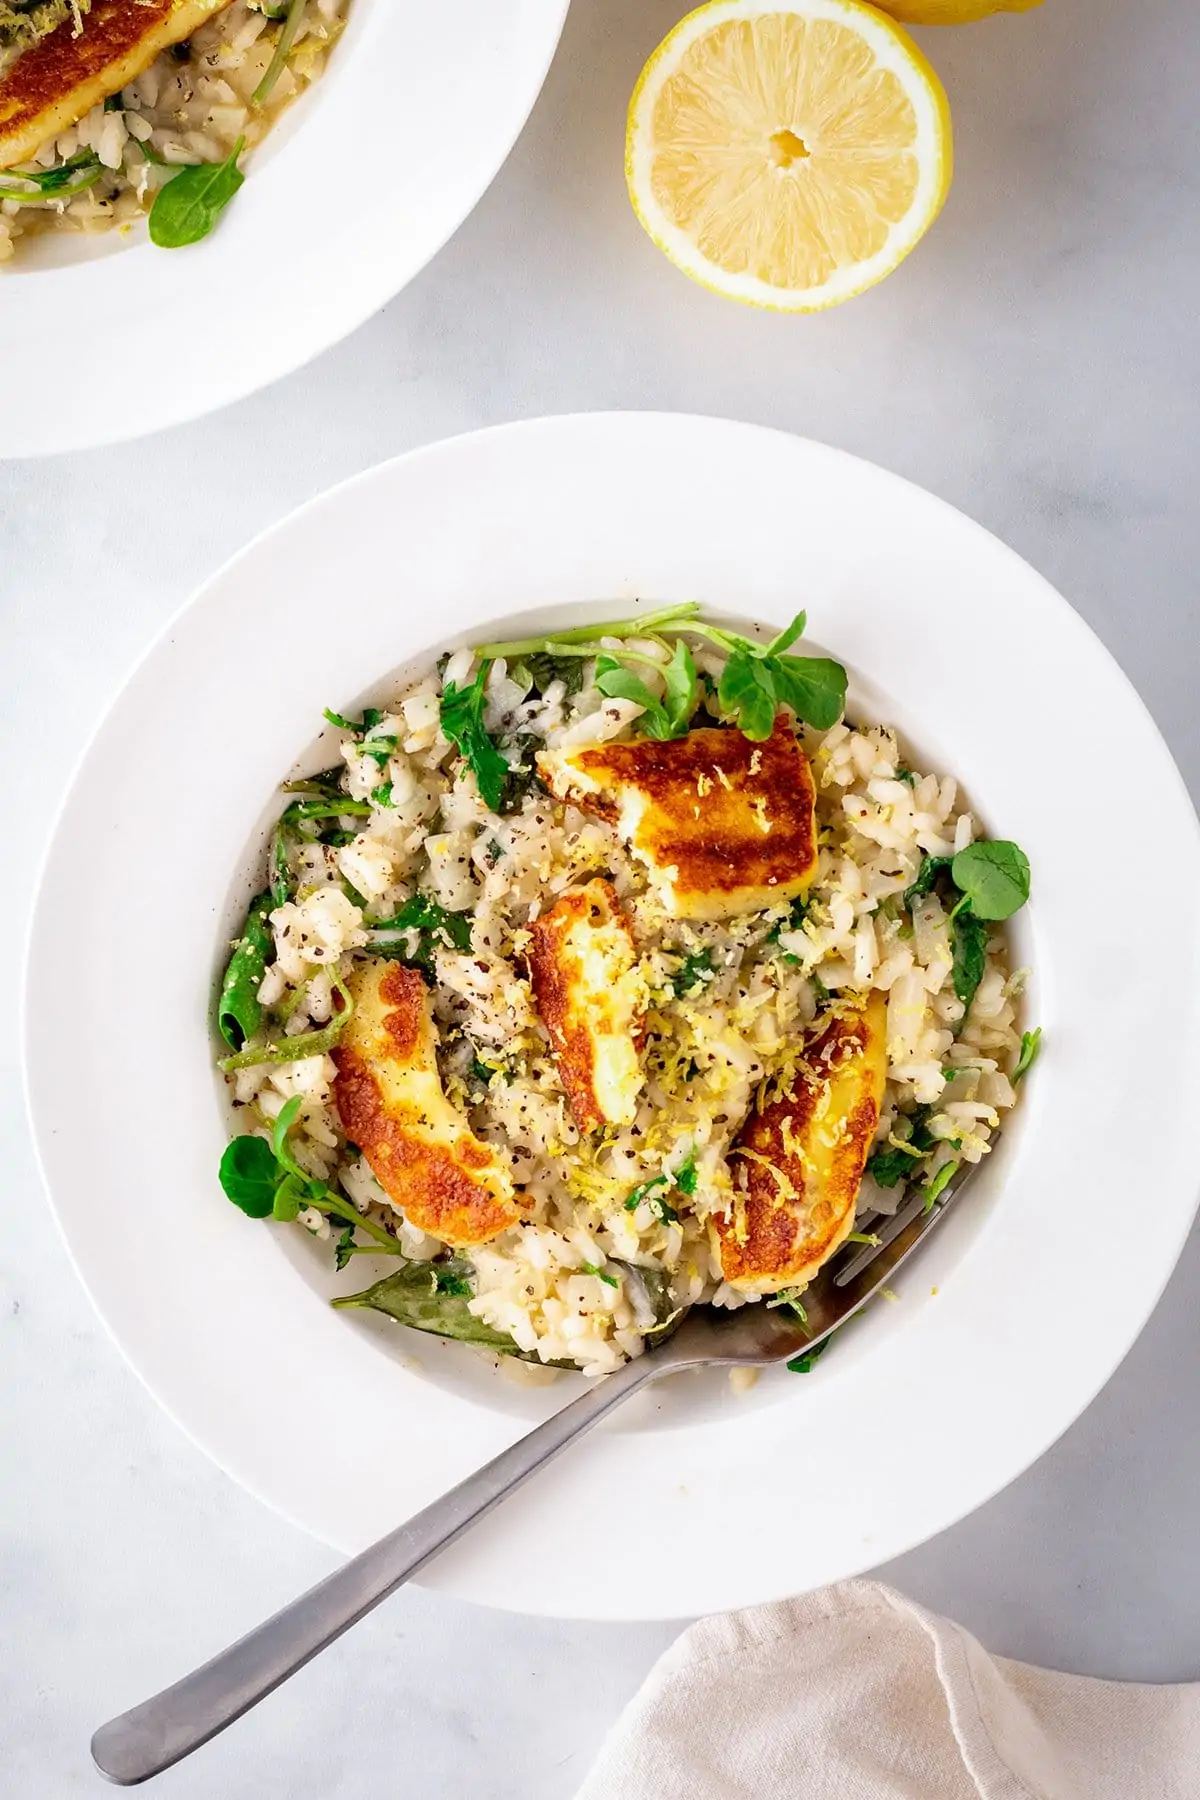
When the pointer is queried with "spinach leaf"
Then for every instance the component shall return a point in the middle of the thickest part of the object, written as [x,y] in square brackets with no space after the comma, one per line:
[804,1364]
[907,776]
[599,1273]
[1031,1045]
[795,919]
[434,924]
[294,1049]
[970,955]
[891,1165]
[239,1014]
[694,972]
[326,782]
[461,713]
[994,877]
[927,876]
[187,208]
[249,1175]
[685,1174]
[522,774]
[75,176]
[934,1188]
[544,667]
[361,728]
[433,1297]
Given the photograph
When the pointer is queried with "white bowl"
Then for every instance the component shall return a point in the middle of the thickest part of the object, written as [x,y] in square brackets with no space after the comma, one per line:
[360,184]
[695,1498]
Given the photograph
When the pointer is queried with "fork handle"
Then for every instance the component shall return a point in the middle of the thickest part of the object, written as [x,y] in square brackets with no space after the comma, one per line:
[149,1738]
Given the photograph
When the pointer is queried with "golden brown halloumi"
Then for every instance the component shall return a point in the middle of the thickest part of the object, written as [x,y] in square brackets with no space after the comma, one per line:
[802,1157]
[725,825]
[64,75]
[583,971]
[390,1101]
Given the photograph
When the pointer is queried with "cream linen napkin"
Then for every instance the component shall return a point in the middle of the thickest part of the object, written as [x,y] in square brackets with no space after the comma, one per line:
[856,1693]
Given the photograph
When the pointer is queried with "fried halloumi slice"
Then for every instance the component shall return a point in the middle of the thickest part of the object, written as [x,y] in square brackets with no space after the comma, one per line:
[803,1155]
[724,825]
[61,77]
[583,971]
[390,1101]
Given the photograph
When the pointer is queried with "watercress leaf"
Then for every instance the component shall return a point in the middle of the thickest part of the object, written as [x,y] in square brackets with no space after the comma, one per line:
[1031,1044]
[284,1120]
[787,637]
[679,680]
[994,875]
[239,1013]
[813,686]
[187,208]
[618,682]
[747,691]
[290,1196]
[970,955]
[462,722]
[249,1175]
[927,876]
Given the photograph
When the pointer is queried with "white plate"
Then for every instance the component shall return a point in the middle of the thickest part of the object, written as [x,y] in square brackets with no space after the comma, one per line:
[361,183]
[1024,1303]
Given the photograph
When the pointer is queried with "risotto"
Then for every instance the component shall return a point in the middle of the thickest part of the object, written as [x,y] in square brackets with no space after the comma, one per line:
[202,101]
[597,977]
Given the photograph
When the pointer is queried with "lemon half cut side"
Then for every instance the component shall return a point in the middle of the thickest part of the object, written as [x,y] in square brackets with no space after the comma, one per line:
[788,156]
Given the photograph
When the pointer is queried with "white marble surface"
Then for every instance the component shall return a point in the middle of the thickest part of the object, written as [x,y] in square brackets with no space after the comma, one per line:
[1036,363]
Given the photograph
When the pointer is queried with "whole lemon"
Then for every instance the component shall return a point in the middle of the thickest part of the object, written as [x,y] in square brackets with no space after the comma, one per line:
[949,12]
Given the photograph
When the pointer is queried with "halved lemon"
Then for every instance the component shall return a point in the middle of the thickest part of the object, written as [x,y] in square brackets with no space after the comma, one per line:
[951,12]
[789,156]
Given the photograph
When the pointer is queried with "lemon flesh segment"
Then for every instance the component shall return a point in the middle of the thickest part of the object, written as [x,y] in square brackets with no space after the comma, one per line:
[950,12]
[788,157]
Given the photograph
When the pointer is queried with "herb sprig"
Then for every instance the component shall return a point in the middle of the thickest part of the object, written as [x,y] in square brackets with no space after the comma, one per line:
[461,713]
[265,1181]
[992,880]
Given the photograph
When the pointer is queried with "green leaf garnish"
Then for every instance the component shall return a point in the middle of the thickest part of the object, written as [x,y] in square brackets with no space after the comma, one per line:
[993,877]
[648,1191]
[802,1365]
[461,712]
[576,635]
[695,971]
[75,176]
[295,1049]
[685,1174]
[662,719]
[599,1273]
[433,924]
[187,208]
[1031,1045]
[934,1188]
[249,1176]
[239,1013]
[927,876]
[544,667]
[970,955]
[434,1297]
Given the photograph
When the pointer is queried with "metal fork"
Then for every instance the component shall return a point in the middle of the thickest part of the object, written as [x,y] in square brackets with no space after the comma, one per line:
[159,1732]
